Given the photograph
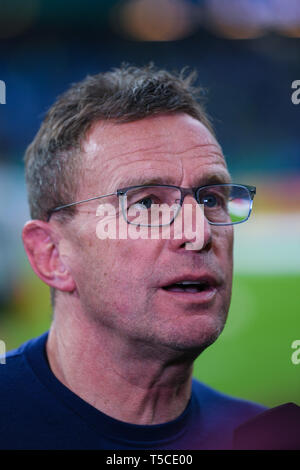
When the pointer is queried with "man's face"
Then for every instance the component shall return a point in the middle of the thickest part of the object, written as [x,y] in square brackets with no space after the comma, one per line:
[119,281]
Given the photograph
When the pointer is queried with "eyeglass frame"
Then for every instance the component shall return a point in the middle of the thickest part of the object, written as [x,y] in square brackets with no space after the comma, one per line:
[183,191]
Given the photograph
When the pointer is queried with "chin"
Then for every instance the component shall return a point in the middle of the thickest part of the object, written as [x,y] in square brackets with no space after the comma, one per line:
[196,339]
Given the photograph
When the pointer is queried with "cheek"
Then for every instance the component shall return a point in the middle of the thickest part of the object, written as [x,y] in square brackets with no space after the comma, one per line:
[228,240]
[117,263]
[223,248]
[119,279]
[223,240]
[128,271]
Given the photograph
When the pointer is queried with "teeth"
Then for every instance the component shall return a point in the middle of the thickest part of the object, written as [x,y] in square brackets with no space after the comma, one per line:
[190,282]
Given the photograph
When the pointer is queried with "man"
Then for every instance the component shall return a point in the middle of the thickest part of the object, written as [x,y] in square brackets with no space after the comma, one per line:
[130,314]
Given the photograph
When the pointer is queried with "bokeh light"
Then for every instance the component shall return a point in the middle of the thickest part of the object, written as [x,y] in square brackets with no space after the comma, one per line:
[155,20]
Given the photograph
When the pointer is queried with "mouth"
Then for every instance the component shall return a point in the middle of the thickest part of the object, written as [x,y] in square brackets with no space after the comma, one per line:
[201,290]
[188,286]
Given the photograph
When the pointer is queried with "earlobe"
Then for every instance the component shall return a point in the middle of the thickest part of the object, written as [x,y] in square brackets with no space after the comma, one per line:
[43,255]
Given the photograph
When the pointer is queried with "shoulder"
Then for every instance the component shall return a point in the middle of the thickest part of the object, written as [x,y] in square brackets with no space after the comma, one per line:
[215,403]
[12,367]
[17,381]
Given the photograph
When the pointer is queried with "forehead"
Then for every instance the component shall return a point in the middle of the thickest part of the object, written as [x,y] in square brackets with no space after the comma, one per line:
[170,147]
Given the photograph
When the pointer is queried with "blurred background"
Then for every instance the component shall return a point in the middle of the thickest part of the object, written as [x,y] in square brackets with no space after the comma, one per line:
[247,54]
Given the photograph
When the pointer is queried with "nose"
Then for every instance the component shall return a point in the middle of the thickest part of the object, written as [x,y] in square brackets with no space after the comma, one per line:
[191,228]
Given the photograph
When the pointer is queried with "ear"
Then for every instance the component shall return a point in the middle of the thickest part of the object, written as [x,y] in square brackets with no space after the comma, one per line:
[42,251]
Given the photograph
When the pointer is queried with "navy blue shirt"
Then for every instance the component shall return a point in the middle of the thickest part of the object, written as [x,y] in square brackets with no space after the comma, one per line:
[38,412]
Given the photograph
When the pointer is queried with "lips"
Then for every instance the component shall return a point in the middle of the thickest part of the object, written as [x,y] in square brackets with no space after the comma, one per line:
[200,290]
[191,283]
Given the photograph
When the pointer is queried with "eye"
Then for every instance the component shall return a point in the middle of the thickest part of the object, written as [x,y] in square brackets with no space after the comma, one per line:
[209,200]
[213,201]
[144,203]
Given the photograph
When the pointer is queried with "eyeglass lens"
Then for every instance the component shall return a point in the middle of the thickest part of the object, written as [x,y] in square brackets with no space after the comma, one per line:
[159,205]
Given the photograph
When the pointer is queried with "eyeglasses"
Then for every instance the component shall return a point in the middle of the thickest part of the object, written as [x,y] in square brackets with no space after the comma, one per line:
[157,205]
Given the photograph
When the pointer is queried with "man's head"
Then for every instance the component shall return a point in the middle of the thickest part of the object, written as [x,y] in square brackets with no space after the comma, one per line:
[139,124]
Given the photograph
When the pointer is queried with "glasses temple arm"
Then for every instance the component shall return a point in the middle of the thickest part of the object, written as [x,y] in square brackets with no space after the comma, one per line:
[56,209]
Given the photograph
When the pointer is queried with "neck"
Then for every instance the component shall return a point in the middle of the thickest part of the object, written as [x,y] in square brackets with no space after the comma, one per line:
[122,377]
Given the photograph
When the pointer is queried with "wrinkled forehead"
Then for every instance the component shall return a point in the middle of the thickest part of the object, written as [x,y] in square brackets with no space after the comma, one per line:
[170,130]
[167,145]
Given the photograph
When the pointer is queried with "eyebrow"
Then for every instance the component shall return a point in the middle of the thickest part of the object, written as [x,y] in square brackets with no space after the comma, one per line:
[212,178]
